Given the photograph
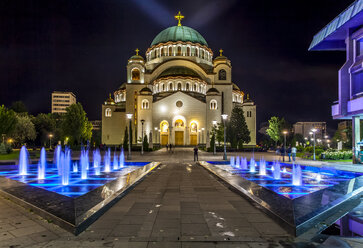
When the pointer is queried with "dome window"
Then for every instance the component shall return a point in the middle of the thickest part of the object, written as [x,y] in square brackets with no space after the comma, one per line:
[188,51]
[179,86]
[170,51]
[213,104]
[135,74]
[108,112]
[145,104]
[179,51]
[187,86]
[222,75]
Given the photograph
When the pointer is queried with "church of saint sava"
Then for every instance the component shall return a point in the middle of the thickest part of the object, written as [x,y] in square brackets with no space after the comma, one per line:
[176,94]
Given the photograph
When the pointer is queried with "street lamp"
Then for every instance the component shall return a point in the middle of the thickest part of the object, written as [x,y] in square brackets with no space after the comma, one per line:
[314,131]
[283,158]
[50,141]
[142,136]
[224,117]
[214,125]
[156,135]
[202,135]
[129,116]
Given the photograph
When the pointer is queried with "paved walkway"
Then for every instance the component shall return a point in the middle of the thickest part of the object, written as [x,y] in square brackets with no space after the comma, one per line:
[178,205]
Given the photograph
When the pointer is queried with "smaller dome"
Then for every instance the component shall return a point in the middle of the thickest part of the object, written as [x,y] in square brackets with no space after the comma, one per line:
[110,100]
[212,91]
[146,90]
[136,57]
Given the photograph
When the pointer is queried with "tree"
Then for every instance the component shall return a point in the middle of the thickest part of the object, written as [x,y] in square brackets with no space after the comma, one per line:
[237,130]
[24,129]
[126,139]
[19,107]
[212,140]
[274,129]
[7,120]
[219,133]
[75,125]
[44,124]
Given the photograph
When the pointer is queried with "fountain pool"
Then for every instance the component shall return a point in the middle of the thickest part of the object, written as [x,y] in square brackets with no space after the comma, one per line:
[303,199]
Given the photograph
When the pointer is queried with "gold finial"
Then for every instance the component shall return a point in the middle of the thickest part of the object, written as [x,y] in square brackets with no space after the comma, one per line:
[137,51]
[179,17]
[110,96]
[248,96]
[221,52]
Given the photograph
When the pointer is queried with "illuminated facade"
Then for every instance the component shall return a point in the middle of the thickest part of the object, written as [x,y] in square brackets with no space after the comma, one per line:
[345,33]
[62,100]
[179,91]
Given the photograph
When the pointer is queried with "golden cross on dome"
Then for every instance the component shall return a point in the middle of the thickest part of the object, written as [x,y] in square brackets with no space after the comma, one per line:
[137,51]
[179,17]
[220,52]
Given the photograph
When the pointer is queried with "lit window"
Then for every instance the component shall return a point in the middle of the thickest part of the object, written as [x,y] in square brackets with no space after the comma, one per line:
[145,104]
[213,104]
[108,112]
[222,75]
[135,74]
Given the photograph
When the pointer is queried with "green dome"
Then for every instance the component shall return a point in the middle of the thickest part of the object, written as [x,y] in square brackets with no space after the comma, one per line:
[179,33]
[135,57]
[178,71]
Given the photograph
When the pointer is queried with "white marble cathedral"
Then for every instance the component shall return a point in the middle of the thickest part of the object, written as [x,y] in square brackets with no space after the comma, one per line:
[179,92]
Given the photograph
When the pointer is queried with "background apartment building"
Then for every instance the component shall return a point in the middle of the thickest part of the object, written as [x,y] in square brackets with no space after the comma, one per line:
[62,100]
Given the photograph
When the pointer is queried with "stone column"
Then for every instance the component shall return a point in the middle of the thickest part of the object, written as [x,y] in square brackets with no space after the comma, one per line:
[355,138]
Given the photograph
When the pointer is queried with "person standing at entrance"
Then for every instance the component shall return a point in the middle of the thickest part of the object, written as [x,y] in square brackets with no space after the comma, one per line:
[195,154]
[289,153]
[293,153]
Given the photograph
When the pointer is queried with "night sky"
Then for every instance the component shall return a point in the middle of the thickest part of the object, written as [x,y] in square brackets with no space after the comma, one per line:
[83,47]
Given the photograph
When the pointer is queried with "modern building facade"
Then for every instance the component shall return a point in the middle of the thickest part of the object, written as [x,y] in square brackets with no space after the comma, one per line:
[304,128]
[61,100]
[345,33]
[176,94]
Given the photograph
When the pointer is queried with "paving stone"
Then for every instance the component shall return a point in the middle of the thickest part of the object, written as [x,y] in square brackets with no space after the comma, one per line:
[195,229]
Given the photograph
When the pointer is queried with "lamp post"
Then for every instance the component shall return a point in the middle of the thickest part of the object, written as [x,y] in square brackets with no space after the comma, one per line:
[50,141]
[142,136]
[314,131]
[156,135]
[129,116]
[224,117]
[159,137]
[214,148]
[283,158]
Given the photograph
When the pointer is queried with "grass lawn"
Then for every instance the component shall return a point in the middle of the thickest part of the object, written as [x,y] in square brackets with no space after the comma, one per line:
[15,155]
[342,160]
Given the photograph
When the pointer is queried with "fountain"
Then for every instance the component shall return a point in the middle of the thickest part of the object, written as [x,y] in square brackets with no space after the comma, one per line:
[244,164]
[65,163]
[84,164]
[232,161]
[284,170]
[296,175]
[23,161]
[276,171]
[252,165]
[262,167]
[97,162]
[122,158]
[318,177]
[42,164]
[107,160]
[115,161]
[75,167]
[238,162]
[56,159]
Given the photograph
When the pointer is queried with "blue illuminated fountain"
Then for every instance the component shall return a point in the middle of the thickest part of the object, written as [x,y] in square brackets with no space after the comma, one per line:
[252,165]
[122,158]
[115,161]
[107,160]
[276,170]
[262,167]
[23,161]
[42,164]
[84,164]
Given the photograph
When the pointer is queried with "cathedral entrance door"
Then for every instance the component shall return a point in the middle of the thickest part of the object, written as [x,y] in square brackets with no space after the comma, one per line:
[193,139]
[179,138]
[164,139]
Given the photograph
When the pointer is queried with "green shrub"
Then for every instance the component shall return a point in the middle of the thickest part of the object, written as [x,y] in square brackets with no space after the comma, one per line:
[338,155]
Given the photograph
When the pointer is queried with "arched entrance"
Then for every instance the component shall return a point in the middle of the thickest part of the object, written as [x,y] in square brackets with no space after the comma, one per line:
[179,127]
[164,133]
[193,133]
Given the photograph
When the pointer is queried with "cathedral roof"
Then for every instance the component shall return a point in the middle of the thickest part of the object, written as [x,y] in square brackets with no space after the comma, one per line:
[235,87]
[136,57]
[146,90]
[179,33]
[179,71]
[212,91]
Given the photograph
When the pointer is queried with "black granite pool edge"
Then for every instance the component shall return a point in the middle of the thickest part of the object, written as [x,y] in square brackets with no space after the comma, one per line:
[70,221]
[331,213]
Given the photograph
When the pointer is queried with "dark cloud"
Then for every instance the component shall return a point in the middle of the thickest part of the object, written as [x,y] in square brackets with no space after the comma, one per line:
[83,46]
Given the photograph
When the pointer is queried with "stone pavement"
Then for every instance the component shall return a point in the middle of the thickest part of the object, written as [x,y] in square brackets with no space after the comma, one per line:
[178,205]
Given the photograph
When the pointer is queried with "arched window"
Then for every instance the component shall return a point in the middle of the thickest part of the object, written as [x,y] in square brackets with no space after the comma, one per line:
[187,87]
[213,104]
[163,87]
[179,53]
[188,51]
[179,123]
[193,127]
[179,86]
[108,112]
[196,52]
[222,75]
[162,51]
[164,127]
[170,51]
[145,104]
[202,54]
[195,87]
[135,74]
[170,86]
